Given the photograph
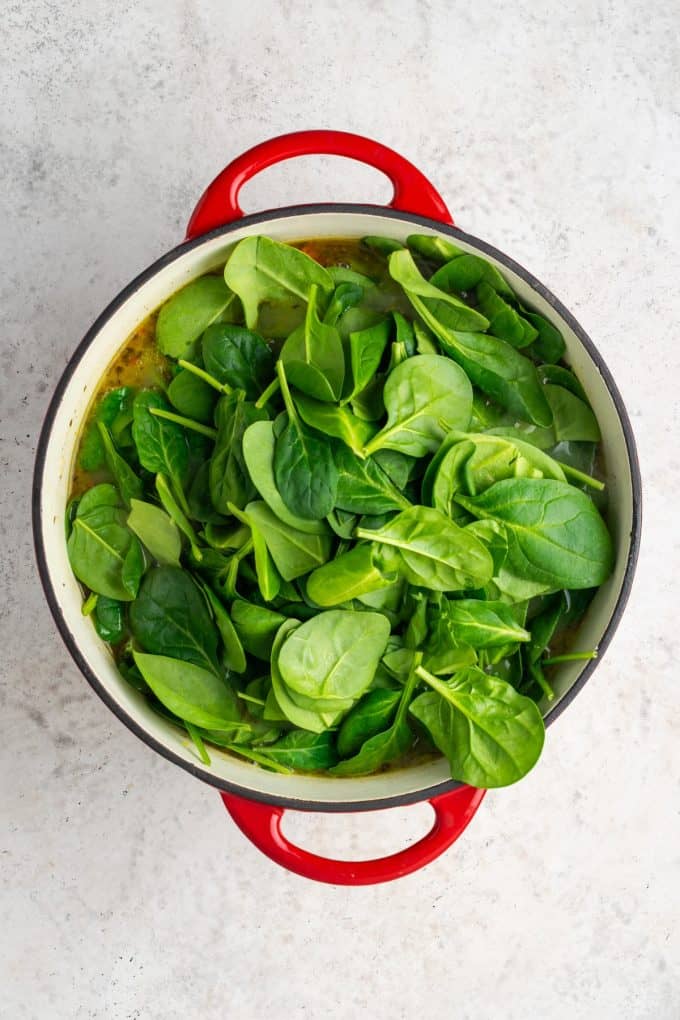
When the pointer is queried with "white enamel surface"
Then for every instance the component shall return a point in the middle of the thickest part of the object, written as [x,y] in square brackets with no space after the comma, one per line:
[73,409]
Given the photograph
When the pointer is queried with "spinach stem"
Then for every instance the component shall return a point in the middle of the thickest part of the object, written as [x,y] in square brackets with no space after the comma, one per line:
[197,742]
[570,657]
[285,391]
[580,476]
[538,675]
[268,393]
[171,507]
[261,759]
[432,681]
[205,376]
[187,423]
[89,603]
[249,697]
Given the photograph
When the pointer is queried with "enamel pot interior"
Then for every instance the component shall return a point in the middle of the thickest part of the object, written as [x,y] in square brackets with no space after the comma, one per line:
[58,444]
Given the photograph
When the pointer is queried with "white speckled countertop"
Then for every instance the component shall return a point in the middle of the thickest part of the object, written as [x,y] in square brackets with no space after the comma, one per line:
[553,131]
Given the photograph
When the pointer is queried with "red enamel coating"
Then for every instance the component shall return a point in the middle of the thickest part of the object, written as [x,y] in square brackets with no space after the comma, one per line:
[217,207]
[261,823]
[413,192]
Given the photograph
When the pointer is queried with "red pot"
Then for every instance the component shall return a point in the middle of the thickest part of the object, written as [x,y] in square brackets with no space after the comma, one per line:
[255,798]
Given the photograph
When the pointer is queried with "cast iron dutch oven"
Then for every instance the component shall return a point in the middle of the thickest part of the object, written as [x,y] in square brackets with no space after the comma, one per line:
[256,799]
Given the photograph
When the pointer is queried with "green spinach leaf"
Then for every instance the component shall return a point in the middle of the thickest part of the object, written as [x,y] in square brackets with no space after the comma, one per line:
[370,716]
[170,617]
[238,357]
[491,735]
[304,469]
[189,312]
[334,655]
[194,694]
[260,269]
[313,356]
[348,576]
[258,444]
[103,553]
[555,533]
[229,478]
[424,396]
[433,552]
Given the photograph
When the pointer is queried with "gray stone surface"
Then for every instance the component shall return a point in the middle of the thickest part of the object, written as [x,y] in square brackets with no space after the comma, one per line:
[553,130]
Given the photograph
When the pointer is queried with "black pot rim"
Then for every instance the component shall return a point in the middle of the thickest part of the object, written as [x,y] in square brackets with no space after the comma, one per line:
[264,217]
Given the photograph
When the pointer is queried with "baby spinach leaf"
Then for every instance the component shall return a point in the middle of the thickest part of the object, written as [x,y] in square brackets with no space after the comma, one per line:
[433,552]
[304,468]
[229,478]
[234,657]
[268,577]
[294,552]
[192,397]
[114,411]
[342,524]
[443,653]
[370,716]
[194,694]
[177,515]
[572,418]
[483,624]
[102,551]
[384,747]
[398,466]
[549,345]
[504,320]
[226,535]
[189,312]
[109,619]
[491,735]
[345,296]
[436,249]
[555,534]
[157,531]
[313,356]
[256,626]
[260,269]
[492,534]
[238,357]
[304,718]
[424,398]
[258,453]
[348,576]
[471,462]
[304,751]
[456,313]
[426,342]
[496,367]
[368,404]
[366,347]
[561,376]
[465,272]
[334,420]
[127,482]
[334,655]
[445,475]
[161,445]
[383,245]
[363,487]
[170,617]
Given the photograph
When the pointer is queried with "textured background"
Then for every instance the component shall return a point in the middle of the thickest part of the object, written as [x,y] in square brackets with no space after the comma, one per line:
[553,130]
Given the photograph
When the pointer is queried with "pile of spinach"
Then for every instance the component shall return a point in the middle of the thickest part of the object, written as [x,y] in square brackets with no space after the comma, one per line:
[356,518]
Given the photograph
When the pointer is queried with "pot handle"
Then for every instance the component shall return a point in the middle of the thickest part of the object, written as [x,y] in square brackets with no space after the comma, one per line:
[261,823]
[218,205]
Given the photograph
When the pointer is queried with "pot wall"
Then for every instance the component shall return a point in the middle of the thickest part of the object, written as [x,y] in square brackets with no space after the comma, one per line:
[57,448]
